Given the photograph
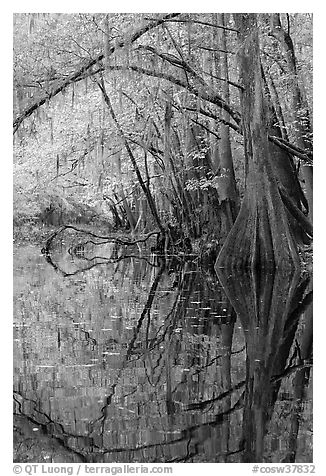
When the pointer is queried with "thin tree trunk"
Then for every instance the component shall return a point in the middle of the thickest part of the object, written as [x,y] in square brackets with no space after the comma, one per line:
[143,185]
[299,108]
[284,170]
[227,190]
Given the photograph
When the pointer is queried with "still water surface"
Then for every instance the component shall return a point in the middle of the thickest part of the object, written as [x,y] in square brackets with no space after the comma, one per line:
[129,362]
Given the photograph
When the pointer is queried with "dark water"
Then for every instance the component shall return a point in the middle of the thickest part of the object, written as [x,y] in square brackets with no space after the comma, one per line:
[127,362]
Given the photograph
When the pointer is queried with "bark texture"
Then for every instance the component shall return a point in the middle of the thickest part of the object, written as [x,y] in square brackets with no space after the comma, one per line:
[261,236]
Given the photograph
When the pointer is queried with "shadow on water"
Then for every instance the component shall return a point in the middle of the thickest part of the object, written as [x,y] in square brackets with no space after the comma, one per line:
[119,358]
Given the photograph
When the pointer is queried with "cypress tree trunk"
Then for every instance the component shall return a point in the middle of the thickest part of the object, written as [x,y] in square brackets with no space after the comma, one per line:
[261,236]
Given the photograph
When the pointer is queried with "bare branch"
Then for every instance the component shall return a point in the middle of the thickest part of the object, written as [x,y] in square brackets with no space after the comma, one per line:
[199,22]
[305,156]
[211,96]
[215,49]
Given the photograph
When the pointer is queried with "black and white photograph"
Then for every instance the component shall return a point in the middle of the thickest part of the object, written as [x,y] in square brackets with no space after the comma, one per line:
[162,240]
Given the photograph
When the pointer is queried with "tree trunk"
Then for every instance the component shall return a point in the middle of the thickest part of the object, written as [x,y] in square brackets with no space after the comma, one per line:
[260,237]
[285,173]
[227,190]
[300,110]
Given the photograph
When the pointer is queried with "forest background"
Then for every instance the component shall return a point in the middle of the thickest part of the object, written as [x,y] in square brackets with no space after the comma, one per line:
[140,122]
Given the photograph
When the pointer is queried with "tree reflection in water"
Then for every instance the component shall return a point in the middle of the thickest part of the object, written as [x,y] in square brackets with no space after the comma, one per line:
[126,362]
[269,307]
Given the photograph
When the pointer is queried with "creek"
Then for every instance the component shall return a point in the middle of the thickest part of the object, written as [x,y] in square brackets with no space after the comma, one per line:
[121,359]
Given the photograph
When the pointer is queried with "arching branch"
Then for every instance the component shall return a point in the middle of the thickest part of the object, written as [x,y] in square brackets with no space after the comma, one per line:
[83,70]
[210,96]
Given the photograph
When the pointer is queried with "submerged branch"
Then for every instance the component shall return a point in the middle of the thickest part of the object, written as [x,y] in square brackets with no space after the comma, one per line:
[47,254]
[121,258]
[107,239]
[204,404]
[290,370]
[185,433]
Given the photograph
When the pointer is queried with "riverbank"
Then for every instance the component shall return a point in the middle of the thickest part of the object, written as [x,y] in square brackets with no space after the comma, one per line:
[38,233]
